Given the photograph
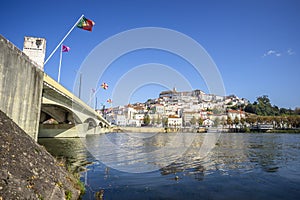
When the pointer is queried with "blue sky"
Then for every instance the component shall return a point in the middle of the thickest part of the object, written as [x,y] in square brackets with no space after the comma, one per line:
[255,44]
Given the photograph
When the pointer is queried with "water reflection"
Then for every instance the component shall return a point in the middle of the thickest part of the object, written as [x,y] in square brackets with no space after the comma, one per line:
[266,152]
[242,152]
[138,155]
[238,165]
[70,149]
[234,152]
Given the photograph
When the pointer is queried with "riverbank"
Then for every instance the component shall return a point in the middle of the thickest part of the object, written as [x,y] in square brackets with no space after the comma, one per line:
[139,129]
[284,131]
[198,130]
[147,129]
[28,171]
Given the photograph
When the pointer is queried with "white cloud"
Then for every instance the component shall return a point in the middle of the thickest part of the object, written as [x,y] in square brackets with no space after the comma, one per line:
[290,52]
[272,53]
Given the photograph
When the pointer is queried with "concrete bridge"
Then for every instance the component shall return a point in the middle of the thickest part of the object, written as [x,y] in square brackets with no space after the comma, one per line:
[72,117]
[37,103]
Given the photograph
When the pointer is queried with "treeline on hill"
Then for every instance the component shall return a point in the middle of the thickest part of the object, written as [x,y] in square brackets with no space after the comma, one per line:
[264,113]
[263,107]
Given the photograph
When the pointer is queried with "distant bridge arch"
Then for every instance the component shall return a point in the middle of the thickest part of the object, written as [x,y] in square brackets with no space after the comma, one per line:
[91,123]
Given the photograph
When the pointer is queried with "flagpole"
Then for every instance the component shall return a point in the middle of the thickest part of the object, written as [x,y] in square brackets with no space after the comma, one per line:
[80,85]
[60,58]
[63,39]
[96,103]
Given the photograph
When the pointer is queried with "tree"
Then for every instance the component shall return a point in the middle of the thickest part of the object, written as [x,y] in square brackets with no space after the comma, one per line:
[251,120]
[216,111]
[243,120]
[200,121]
[165,121]
[283,111]
[250,108]
[277,121]
[293,121]
[263,107]
[297,111]
[223,121]
[146,119]
[217,121]
[236,121]
[153,120]
[158,120]
[229,121]
[193,121]
[235,107]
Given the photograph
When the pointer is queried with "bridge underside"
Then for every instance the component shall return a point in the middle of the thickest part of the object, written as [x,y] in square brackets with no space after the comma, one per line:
[58,121]
[62,116]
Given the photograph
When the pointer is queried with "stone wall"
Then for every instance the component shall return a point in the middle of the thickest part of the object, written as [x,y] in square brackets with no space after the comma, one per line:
[21,84]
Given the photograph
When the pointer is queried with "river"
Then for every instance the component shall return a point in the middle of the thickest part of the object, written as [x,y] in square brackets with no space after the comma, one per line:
[173,166]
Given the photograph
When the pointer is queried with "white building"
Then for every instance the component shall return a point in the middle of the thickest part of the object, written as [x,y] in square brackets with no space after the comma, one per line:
[236,113]
[120,120]
[139,116]
[134,122]
[174,121]
[129,112]
[188,116]
[159,109]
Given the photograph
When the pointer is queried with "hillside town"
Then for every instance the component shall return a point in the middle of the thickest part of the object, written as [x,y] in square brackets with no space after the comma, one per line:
[179,109]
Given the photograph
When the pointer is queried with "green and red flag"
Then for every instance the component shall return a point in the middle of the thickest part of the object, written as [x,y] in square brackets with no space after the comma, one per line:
[85,24]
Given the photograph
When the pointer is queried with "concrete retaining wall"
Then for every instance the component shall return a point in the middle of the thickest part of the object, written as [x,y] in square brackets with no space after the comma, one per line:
[142,129]
[21,84]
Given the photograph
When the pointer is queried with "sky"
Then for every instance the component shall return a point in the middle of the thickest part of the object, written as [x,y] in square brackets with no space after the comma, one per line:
[254,45]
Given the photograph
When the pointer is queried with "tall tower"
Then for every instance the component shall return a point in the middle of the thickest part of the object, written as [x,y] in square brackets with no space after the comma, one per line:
[35,49]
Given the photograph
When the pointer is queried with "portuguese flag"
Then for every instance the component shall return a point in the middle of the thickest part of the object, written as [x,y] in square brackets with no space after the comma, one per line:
[86,24]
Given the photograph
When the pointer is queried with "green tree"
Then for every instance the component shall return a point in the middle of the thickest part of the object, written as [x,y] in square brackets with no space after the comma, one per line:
[200,121]
[236,121]
[216,111]
[165,121]
[297,111]
[263,107]
[193,121]
[158,120]
[223,121]
[277,121]
[146,119]
[243,120]
[153,120]
[229,121]
[217,121]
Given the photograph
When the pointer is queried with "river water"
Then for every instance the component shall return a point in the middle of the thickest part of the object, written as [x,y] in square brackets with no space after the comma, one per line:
[172,166]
